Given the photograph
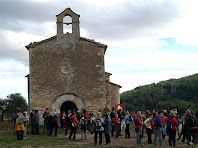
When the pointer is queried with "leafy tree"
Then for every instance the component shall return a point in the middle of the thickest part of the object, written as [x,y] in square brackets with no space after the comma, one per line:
[13,101]
[4,105]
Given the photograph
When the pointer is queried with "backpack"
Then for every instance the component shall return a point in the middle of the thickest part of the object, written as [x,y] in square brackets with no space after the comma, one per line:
[130,119]
[72,122]
[155,122]
[55,120]
[169,124]
[19,120]
[98,123]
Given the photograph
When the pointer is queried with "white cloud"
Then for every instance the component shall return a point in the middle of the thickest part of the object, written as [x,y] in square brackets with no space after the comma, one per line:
[12,78]
[130,28]
[133,80]
[16,85]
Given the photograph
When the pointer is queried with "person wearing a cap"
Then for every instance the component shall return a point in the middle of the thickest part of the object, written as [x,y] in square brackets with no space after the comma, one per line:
[45,115]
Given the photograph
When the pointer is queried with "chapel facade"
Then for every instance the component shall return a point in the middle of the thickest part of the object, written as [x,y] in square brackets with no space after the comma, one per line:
[67,71]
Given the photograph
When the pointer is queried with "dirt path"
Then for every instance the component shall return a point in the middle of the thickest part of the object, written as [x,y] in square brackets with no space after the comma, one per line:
[121,142]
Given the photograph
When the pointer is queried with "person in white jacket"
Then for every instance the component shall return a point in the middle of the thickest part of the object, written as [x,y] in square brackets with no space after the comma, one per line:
[149,129]
[128,120]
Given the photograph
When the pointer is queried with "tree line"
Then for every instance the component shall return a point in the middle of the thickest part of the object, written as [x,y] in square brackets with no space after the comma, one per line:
[174,93]
[9,105]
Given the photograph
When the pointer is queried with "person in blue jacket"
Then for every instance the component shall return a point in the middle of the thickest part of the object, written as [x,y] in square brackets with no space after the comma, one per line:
[158,128]
[107,124]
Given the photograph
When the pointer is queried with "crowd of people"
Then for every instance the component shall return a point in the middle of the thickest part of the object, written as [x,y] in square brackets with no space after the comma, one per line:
[158,124]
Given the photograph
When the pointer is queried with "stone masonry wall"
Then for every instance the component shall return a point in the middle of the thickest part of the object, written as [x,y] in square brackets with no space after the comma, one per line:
[64,65]
[114,94]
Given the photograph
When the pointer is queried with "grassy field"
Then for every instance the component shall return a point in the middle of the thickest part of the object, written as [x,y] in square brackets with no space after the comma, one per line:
[9,139]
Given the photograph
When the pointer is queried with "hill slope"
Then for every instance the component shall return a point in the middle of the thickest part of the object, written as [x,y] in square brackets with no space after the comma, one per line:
[179,93]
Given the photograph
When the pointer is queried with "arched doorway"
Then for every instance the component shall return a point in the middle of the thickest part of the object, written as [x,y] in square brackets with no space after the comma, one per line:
[65,102]
[68,105]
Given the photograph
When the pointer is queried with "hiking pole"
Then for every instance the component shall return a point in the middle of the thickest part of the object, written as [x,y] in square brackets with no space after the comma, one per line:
[11,126]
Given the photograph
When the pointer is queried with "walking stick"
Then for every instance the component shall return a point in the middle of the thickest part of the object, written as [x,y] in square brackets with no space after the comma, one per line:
[11,126]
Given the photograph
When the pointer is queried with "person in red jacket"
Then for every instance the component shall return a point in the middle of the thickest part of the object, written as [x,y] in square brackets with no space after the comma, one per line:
[116,124]
[74,125]
[139,126]
[85,115]
[63,117]
[172,132]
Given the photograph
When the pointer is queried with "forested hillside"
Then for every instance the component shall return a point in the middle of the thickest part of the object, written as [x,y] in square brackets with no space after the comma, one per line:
[179,93]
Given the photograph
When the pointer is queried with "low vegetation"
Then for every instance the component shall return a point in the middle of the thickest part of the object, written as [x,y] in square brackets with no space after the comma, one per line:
[174,93]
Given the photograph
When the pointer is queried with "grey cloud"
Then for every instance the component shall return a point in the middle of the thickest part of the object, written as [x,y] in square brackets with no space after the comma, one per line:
[112,23]
[8,51]
[116,22]
[131,21]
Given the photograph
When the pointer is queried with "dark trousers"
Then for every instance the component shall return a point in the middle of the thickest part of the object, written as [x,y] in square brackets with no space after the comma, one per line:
[184,134]
[127,133]
[54,127]
[163,136]
[119,131]
[149,134]
[45,126]
[116,128]
[188,134]
[142,132]
[73,131]
[32,128]
[19,135]
[50,130]
[112,130]
[66,128]
[172,134]
[35,130]
[96,137]
[107,137]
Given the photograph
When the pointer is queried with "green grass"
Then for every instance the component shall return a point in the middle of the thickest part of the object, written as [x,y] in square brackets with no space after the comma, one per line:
[10,140]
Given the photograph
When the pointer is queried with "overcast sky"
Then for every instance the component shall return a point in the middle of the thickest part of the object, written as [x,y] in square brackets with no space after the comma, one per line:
[148,40]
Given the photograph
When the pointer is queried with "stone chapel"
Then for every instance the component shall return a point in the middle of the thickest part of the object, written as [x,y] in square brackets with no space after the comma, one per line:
[67,71]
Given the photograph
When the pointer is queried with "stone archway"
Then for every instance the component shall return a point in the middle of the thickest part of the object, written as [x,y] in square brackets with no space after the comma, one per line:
[68,105]
[59,100]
